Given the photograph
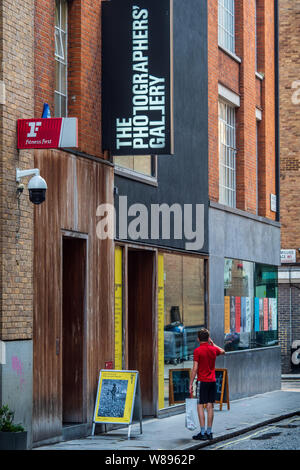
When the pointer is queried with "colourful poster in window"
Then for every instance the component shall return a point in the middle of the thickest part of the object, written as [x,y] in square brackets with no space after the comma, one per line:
[256,314]
[273,313]
[226,314]
[232,314]
[261,314]
[243,314]
[270,315]
[248,326]
[266,314]
[238,314]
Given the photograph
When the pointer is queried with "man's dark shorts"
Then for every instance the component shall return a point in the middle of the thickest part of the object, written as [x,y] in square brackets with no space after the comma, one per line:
[206,392]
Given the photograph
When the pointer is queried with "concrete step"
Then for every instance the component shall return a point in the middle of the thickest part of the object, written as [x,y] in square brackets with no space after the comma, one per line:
[75,431]
[290,376]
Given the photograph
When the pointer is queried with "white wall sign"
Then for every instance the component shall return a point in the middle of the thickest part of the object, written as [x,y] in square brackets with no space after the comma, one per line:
[288,256]
[273,199]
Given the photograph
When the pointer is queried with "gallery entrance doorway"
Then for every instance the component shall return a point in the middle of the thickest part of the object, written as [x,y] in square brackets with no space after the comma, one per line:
[141,324]
[73,330]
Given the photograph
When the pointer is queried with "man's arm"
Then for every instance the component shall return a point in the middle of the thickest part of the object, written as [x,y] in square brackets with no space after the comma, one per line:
[218,347]
[193,375]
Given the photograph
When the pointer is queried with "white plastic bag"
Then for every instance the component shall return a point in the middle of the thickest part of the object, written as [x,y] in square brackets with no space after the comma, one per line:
[191,414]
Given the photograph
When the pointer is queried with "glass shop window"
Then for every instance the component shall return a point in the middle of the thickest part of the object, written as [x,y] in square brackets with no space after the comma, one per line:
[250,305]
[61,58]
[184,313]
[137,164]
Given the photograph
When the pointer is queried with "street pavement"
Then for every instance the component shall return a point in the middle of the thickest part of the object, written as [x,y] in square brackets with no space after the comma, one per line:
[169,433]
[282,435]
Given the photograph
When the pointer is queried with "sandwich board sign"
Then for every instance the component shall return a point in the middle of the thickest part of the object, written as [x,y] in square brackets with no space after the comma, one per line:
[179,382]
[222,387]
[118,399]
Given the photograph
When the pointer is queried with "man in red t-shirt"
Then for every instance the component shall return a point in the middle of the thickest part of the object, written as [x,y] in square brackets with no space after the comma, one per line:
[204,367]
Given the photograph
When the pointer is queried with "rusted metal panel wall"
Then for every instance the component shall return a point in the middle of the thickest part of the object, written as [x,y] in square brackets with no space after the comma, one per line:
[76,186]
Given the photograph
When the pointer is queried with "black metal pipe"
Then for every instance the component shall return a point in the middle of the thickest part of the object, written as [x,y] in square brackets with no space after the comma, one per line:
[277,121]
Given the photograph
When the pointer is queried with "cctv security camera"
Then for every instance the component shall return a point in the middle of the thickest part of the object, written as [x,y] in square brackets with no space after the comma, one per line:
[37,186]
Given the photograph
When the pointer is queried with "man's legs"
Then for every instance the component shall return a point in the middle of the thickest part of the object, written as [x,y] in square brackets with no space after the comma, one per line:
[210,418]
[201,416]
[205,392]
[210,414]
[200,409]
[202,435]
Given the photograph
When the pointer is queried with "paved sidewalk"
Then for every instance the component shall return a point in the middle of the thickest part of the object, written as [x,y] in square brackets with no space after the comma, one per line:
[170,433]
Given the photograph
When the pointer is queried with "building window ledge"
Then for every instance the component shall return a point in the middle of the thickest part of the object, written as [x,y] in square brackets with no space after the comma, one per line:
[126,173]
[275,346]
[260,75]
[232,210]
[231,54]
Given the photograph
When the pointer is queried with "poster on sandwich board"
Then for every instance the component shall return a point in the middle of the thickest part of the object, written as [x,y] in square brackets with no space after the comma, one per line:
[118,398]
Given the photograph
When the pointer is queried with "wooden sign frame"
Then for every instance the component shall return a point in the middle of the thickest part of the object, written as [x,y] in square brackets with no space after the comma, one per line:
[131,403]
[225,388]
[171,388]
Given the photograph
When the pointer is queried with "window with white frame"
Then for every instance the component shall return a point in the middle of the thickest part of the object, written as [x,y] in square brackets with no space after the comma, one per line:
[226,25]
[227,154]
[61,64]
[256,42]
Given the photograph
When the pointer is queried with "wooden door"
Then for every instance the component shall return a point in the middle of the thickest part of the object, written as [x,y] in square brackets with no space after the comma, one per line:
[140,324]
[73,329]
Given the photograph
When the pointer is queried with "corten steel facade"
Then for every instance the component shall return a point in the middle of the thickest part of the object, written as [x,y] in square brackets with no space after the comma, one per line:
[289,276]
[56,315]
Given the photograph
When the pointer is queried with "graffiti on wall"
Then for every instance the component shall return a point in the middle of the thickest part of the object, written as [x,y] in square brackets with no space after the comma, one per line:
[17,366]
[295,358]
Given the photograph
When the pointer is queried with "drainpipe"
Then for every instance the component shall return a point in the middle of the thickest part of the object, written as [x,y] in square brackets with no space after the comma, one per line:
[290,307]
[277,124]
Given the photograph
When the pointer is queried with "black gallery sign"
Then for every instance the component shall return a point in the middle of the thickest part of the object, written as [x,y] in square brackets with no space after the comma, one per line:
[137,77]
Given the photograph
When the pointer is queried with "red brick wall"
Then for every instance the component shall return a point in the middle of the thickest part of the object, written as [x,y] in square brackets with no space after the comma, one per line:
[246,120]
[213,75]
[241,79]
[16,216]
[84,67]
[266,65]
[229,72]
[44,65]
[289,24]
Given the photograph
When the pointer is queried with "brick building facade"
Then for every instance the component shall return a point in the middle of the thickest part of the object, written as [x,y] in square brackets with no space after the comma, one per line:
[51,284]
[16,214]
[16,238]
[244,229]
[238,157]
[289,179]
[249,72]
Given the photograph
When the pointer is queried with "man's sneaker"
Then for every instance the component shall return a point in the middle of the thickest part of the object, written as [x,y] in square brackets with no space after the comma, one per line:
[209,436]
[200,437]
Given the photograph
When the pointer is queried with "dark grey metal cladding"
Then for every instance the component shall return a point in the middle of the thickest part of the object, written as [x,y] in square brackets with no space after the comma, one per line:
[182,177]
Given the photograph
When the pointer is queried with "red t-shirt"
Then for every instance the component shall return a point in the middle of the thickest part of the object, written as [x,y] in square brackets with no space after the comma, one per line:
[206,355]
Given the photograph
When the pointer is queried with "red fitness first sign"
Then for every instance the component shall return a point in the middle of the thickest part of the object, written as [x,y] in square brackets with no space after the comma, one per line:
[47,133]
